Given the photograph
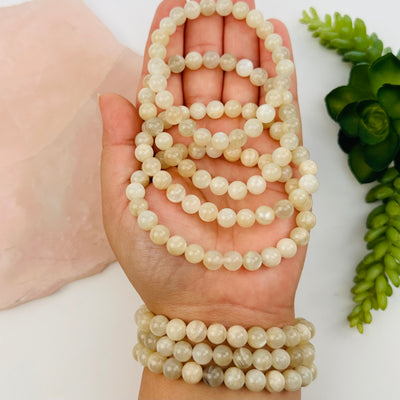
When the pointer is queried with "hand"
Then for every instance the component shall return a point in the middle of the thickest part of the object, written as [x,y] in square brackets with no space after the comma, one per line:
[170,285]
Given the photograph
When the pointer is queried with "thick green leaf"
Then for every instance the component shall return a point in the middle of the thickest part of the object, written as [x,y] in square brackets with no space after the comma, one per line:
[374,126]
[361,170]
[385,69]
[359,79]
[340,97]
[389,98]
[349,120]
[346,143]
[396,125]
[380,156]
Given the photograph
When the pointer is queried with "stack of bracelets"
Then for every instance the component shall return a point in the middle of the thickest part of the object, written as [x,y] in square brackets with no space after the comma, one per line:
[285,355]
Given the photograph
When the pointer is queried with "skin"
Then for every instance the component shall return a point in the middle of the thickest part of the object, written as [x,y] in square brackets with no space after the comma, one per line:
[170,285]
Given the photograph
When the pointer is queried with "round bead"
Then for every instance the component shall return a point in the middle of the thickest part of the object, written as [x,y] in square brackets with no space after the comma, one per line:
[176,193]
[237,336]
[271,257]
[140,177]
[300,236]
[281,156]
[287,248]
[172,369]
[153,126]
[292,380]
[193,60]
[176,245]
[265,215]
[308,354]
[182,351]
[228,62]
[233,109]
[196,331]
[234,378]
[201,179]
[178,15]
[244,68]
[160,36]
[264,160]
[257,337]
[164,141]
[211,59]
[262,360]
[159,235]
[290,141]
[143,356]
[253,128]
[243,358]
[151,166]
[202,353]
[285,67]
[232,154]
[165,346]
[186,168]
[135,191]
[176,329]
[147,220]
[292,336]
[158,325]
[226,218]
[208,212]
[240,10]
[220,141]
[144,138]
[273,41]
[212,152]
[168,25]
[237,138]
[222,355]
[191,204]
[266,113]
[283,209]
[147,111]
[254,18]
[207,7]
[137,206]
[213,376]
[219,186]
[146,95]
[224,7]
[162,180]
[202,137]
[300,199]
[275,337]
[255,380]
[306,375]
[305,334]
[194,253]
[192,373]
[299,155]
[215,109]
[249,111]
[237,190]
[271,172]
[280,359]
[216,333]
[265,29]
[306,220]
[246,218]
[155,363]
[275,382]
[192,10]
[164,99]
[259,77]
[274,98]
[213,260]
[309,183]
[233,260]
[252,261]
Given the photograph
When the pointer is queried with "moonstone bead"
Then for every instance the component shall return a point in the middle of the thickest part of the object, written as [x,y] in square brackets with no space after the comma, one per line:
[186,168]
[308,167]
[176,329]
[140,177]
[237,138]
[168,25]
[281,156]
[151,166]
[177,64]
[156,66]
[159,235]
[287,248]
[202,353]
[243,358]
[266,113]
[216,333]
[237,336]
[255,380]
[283,209]
[280,53]
[228,62]
[257,337]
[249,111]
[273,41]
[222,355]
[158,83]
[264,215]
[253,128]
[164,141]
[233,260]
[192,10]
[158,325]
[213,260]
[296,356]
[160,36]
[262,359]
[182,351]
[290,141]
[155,363]
[291,184]
[176,245]
[135,191]
[309,183]
[287,173]
[271,172]
[194,253]
[226,218]
[164,99]
[212,152]
[275,381]
[136,350]
[165,346]
[215,109]
[220,141]
[300,236]
[202,137]
[176,193]
[234,378]
[237,190]
[240,10]
[208,212]
[201,179]
[219,185]
[287,112]
[306,375]
[191,204]
[300,154]
[137,206]
[258,77]
[300,199]
[271,257]
[194,60]
[306,220]
[172,369]
[178,15]
[292,380]
[254,18]
[280,359]
[292,336]
[196,152]
[314,371]
[154,126]
[162,180]
[211,59]
[244,67]
[196,331]
[213,376]
[173,115]
[256,184]
[265,29]
[249,157]
[143,356]
[308,324]
[224,7]
[305,334]
[146,95]
[246,218]
[233,108]
[308,354]
[147,220]
[207,7]
[276,130]
[252,261]
[232,154]
[285,68]
[274,98]
[147,111]
[264,160]
[157,50]
[275,337]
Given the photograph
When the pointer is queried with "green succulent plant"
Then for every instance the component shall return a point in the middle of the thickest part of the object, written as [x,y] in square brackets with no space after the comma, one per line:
[368,112]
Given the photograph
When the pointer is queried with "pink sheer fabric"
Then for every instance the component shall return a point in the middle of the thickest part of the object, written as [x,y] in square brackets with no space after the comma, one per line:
[56,56]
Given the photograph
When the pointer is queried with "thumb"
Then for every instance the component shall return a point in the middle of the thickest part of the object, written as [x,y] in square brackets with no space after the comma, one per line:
[121,123]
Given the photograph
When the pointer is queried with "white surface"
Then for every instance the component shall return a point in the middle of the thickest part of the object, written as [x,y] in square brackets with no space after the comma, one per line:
[76,344]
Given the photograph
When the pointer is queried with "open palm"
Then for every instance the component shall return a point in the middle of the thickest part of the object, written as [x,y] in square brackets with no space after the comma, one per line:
[170,285]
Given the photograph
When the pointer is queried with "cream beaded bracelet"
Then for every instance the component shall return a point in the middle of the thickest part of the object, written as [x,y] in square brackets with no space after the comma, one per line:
[283,358]
[278,115]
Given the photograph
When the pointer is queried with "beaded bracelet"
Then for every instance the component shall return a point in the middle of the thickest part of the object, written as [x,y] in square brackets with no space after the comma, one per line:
[278,115]
[283,358]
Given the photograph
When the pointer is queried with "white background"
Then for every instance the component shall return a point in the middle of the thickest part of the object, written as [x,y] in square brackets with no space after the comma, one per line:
[76,344]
